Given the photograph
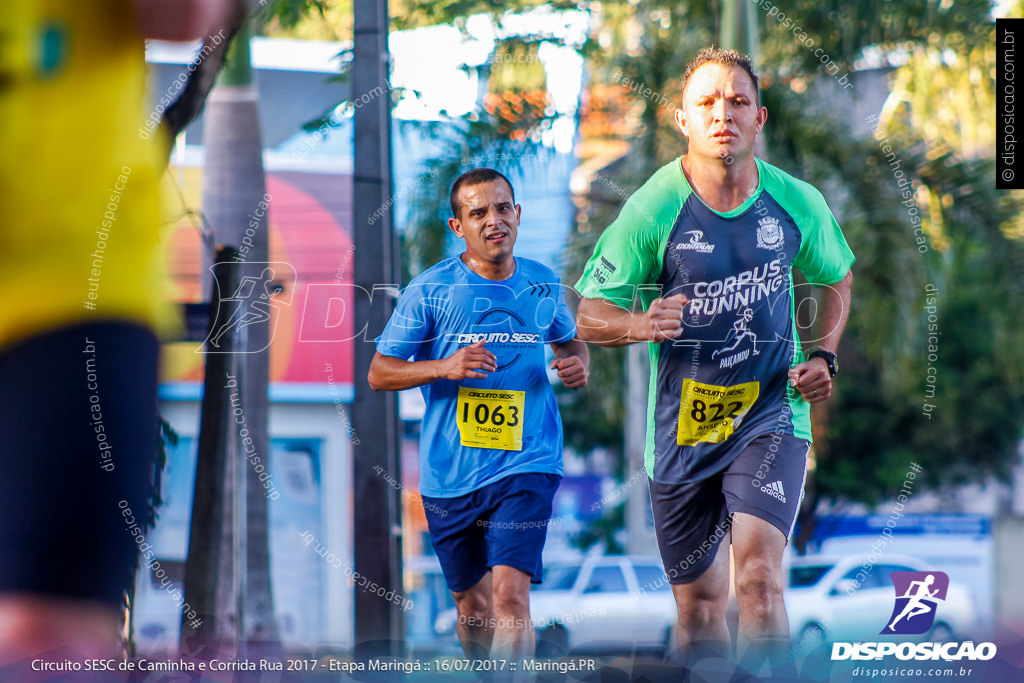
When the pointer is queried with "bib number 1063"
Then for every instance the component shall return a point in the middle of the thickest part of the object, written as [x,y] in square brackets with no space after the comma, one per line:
[491,418]
[484,413]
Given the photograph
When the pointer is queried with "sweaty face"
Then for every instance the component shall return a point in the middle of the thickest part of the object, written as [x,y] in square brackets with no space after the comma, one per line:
[720,117]
[488,221]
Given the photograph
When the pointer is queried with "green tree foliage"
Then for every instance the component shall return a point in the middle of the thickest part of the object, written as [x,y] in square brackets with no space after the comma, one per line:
[291,12]
[604,530]
[406,14]
[332,19]
[307,19]
[842,30]
[516,67]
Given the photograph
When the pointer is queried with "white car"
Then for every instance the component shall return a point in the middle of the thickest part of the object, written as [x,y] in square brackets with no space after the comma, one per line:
[831,599]
[606,603]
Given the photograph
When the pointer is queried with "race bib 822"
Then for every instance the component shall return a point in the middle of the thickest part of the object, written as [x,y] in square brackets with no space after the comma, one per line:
[709,413]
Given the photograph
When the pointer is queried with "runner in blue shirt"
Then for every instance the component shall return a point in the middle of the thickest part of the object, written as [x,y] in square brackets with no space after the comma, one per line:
[471,332]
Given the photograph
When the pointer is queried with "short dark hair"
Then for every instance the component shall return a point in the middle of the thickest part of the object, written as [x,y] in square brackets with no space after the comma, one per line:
[476,177]
[716,55]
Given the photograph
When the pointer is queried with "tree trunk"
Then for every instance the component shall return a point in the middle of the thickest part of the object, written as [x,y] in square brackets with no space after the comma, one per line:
[234,192]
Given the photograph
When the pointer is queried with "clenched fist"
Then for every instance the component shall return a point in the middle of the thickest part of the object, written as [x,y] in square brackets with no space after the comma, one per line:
[663,320]
[572,371]
[812,380]
[473,362]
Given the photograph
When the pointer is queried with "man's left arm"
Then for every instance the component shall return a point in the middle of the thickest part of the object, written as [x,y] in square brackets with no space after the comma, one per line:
[572,359]
[811,378]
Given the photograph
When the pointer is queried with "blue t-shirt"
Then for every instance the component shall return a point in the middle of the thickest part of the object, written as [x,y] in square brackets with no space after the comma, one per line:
[478,431]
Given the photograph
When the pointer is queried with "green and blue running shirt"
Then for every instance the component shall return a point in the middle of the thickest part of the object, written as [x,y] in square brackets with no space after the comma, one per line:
[725,381]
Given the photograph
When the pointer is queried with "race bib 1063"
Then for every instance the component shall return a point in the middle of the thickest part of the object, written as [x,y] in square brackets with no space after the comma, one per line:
[491,418]
[709,413]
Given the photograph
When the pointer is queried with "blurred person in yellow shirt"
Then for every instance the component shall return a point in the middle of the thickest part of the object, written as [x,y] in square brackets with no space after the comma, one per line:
[79,248]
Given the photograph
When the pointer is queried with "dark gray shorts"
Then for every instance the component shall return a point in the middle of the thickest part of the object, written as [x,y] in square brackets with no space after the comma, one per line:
[765,480]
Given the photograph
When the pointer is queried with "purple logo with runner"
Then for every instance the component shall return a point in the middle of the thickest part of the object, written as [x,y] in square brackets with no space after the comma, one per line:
[917,596]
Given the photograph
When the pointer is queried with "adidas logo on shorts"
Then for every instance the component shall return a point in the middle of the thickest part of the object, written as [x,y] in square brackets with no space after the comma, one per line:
[774,489]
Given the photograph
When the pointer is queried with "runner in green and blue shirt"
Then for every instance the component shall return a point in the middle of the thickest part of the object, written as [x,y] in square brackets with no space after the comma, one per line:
[735,267]
[709,244]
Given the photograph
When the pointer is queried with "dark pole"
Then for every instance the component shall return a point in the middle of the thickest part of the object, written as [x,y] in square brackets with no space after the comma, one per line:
[739,29]
[377,510]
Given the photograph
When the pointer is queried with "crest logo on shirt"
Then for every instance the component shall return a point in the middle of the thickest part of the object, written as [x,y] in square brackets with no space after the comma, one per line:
[697,243]
[769,234]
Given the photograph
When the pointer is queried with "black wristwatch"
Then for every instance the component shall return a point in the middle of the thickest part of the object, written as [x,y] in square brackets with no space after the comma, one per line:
[828,357]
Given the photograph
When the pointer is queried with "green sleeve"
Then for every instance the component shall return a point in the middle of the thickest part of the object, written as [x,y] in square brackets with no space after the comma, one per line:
[630,251]
[824,257]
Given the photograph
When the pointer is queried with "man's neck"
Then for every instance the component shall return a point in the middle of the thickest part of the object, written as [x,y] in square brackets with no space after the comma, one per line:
[721,186]
[488,270]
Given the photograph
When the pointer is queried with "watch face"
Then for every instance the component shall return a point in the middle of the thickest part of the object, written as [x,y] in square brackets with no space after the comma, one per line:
[831,360]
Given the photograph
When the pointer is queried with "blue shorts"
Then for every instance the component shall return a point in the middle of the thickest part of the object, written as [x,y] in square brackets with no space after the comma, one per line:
[502,523]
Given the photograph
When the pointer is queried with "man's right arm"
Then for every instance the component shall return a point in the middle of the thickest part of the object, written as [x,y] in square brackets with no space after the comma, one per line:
[388,373]
[604,323]
[185,20]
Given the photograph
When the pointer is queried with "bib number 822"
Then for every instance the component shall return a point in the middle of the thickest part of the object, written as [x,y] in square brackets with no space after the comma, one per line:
[710,413]
[700,410]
